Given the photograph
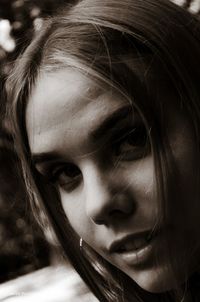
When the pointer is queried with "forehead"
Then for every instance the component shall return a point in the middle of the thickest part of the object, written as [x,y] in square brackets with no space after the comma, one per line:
[67,89]
[65,103]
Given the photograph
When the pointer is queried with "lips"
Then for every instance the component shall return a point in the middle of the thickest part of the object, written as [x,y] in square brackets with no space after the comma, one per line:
[133,242]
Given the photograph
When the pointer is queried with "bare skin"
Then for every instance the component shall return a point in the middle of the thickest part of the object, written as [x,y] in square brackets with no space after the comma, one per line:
[107,184]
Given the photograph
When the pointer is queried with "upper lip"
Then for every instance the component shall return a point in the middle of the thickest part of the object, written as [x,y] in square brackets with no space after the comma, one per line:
[119,243]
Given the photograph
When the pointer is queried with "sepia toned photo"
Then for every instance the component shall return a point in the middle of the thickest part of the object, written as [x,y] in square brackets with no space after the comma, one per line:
[100,151]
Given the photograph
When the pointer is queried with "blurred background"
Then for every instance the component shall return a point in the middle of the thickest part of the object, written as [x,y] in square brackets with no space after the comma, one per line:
[23,246]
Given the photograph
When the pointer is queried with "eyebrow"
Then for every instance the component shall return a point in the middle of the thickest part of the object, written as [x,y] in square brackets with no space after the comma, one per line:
[44,157]
[109,123]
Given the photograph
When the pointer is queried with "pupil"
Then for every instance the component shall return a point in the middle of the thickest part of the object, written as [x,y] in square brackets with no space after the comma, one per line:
[138,136]
[71,171]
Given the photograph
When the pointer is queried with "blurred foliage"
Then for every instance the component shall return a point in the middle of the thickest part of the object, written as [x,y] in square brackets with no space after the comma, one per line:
[23,247]
[23,17]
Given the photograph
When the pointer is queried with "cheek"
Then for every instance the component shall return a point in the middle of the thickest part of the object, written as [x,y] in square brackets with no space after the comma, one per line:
[73,205]
[140,176]
[186,205]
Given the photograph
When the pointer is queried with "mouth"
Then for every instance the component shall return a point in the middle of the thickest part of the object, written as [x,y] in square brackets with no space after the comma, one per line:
[134,248]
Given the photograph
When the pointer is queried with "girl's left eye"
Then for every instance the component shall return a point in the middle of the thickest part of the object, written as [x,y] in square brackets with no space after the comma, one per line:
[134,144]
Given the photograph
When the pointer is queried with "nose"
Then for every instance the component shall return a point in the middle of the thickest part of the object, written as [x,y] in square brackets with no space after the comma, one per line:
[106,198]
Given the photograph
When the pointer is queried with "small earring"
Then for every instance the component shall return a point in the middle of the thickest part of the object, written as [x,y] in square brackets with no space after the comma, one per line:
[81,243]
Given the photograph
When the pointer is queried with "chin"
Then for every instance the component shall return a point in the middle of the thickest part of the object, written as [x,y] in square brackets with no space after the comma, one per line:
[154,281]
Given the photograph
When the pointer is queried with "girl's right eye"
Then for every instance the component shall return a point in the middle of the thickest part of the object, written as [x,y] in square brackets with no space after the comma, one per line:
[67,177]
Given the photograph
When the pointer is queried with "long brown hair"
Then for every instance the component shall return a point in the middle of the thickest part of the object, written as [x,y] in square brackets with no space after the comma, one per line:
[93,36]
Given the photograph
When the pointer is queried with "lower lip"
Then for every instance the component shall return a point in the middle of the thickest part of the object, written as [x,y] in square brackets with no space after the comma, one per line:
[135,257]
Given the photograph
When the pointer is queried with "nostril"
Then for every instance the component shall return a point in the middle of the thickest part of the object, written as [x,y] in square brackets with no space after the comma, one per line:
[111,216]
[99,221]
[110,208]
[119,214]
[116,212]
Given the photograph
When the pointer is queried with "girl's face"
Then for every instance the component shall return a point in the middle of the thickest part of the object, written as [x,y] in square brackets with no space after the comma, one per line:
[93,146]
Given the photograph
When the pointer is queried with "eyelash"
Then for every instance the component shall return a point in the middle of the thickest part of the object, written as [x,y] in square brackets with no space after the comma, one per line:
[138,140]
[69,170]
[130,144]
